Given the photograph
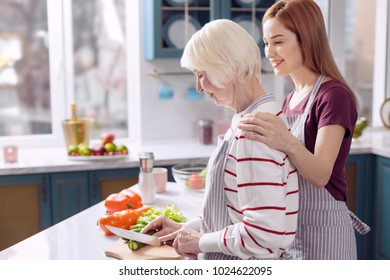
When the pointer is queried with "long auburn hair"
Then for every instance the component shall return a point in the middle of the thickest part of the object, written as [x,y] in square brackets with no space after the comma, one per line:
[305,20]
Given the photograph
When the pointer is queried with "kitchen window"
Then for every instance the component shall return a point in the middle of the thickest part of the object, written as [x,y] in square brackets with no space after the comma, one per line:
[54,53]
[99,64]
[25,97]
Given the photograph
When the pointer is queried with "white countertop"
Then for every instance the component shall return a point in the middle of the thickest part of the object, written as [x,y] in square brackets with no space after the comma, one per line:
[49,160]
[80,238]
[374,140]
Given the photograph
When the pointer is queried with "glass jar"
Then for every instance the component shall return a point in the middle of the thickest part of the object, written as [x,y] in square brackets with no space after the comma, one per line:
[205,132]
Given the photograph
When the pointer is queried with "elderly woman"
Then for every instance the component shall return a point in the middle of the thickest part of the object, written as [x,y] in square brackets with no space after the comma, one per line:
[251,197]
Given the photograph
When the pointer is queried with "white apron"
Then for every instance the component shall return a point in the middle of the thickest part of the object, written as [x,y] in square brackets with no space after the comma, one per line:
[325,225]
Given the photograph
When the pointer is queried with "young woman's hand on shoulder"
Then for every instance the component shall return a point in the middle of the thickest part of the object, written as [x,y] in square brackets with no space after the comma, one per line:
[268,129]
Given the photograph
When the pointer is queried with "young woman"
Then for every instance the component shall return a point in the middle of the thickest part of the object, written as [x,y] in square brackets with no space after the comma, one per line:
[322,112]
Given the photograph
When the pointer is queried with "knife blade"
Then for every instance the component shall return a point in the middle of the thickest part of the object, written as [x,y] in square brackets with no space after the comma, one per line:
[132,235]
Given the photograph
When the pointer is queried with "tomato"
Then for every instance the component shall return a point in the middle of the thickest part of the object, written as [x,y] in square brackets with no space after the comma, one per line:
[196,181]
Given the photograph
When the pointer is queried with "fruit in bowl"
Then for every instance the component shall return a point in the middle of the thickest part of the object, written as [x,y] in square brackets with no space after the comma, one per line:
[191,175]
[106,147]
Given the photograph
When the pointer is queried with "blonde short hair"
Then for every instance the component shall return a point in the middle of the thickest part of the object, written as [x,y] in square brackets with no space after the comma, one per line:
[224,51]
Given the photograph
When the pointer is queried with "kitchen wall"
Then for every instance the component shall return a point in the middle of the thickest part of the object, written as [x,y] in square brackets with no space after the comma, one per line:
[160,120]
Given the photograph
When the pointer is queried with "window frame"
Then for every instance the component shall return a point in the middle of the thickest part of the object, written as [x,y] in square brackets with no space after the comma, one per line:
[57,85]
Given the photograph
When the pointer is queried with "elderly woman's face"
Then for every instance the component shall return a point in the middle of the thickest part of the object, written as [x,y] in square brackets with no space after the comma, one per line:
[221,96]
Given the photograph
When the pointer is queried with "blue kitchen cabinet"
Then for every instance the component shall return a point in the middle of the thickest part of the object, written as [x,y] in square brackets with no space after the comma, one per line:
[249,15]
[69,194]
[359,176]
[25,207]
[381,205]
[166,30]
[102,183]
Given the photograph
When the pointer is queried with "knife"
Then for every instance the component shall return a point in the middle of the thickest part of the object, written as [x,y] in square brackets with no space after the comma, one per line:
[136,236]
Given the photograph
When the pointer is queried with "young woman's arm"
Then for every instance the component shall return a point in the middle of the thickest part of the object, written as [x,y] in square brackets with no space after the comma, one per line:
[315,168]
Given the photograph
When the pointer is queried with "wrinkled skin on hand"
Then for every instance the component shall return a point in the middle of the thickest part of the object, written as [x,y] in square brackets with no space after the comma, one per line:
[186,241]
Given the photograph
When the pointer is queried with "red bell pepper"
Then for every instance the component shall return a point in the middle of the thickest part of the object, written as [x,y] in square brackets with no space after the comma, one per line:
[126,199]
[122,219]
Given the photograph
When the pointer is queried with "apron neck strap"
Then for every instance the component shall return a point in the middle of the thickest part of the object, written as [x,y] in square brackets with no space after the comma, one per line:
[313,93]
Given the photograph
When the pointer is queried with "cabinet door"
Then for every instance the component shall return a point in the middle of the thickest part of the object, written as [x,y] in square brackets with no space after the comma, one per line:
[166,30]
[105,182]
[24,207]
[359,177]
[382,209]
[69,194]
[249,15]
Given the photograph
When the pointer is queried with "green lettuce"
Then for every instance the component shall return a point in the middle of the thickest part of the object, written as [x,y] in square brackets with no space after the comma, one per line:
[171,211]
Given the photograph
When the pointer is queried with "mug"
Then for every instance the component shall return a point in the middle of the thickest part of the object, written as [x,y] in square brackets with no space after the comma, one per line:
[160,175]
[10,153]
[165,92]
[193,94]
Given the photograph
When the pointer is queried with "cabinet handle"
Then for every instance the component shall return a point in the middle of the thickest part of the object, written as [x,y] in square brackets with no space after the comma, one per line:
[94,186]
[44,189]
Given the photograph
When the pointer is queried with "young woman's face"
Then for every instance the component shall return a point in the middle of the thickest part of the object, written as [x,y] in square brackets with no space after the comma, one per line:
[281,48]
[221,96]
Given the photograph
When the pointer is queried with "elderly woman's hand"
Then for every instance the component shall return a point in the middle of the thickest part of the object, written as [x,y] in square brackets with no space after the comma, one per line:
[268,129]
[163,225]
[186,241]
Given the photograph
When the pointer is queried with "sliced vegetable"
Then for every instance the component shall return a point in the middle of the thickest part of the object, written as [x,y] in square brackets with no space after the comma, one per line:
[122,219]
[126,199]
[135,245]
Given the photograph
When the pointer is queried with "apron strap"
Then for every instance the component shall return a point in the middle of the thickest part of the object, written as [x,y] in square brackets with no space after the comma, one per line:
[358,225]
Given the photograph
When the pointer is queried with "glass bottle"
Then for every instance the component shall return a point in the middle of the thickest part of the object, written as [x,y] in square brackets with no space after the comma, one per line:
[146,182]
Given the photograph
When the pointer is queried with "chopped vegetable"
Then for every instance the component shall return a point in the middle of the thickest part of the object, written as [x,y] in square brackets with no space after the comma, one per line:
[135,245]
[126,199]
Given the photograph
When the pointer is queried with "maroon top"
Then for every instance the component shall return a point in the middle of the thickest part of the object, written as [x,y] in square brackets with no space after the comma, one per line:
[332,105]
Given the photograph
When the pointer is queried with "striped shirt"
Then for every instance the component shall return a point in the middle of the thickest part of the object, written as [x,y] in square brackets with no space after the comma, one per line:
[261,193]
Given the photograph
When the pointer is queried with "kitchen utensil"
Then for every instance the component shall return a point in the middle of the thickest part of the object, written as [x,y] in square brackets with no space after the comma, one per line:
[179,2]
[119,250]
[146,181]
[385,113]
[193,94]
[248,3]
[205,132]
[174,32]
[140,237]
[160,175]
[182,174]
[165,92]
[76,130]
[10,153]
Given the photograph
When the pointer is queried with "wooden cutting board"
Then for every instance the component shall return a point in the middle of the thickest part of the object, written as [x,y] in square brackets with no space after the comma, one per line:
[119,250]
